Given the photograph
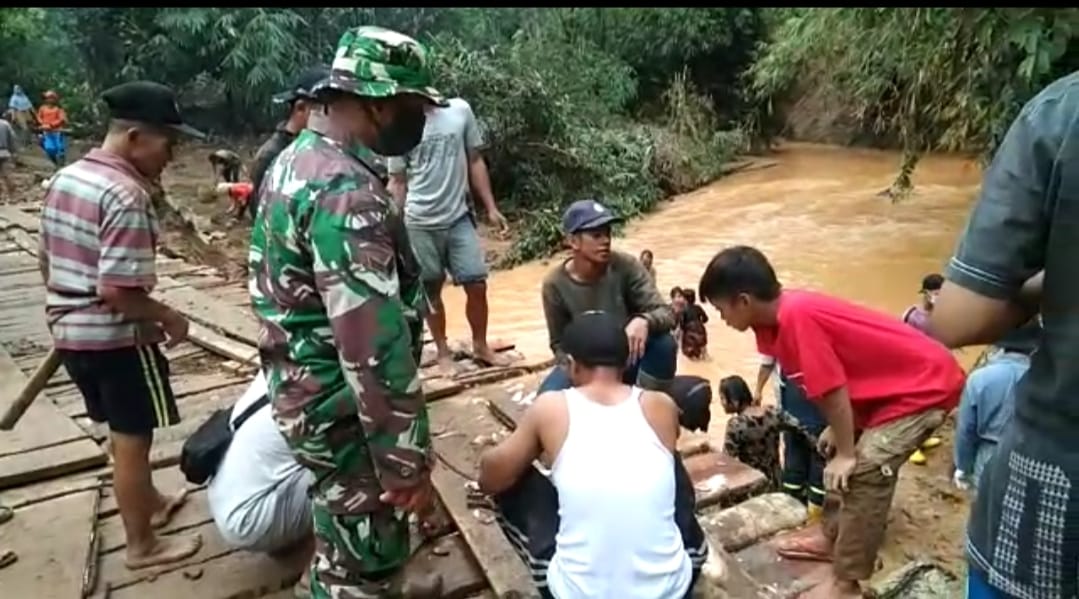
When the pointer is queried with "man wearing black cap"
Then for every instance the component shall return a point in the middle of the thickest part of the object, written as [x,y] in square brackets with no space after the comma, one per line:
[104,323]
[597,278]
[610,449]
[299,101]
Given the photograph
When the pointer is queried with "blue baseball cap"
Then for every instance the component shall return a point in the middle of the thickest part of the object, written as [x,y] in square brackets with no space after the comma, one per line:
[586,214]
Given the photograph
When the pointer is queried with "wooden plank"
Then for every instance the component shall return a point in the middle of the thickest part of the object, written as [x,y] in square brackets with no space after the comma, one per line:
[208,339]
[19,497]
[459,420]
[50,462]
[113,571]
[17,263]
[13,217]
[199,306]
[42,425]
[50,540]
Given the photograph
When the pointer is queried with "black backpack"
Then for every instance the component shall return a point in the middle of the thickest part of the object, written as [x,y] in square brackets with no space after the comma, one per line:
[203,451]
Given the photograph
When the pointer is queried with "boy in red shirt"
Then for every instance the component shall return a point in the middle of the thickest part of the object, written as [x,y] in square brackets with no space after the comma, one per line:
[882,386]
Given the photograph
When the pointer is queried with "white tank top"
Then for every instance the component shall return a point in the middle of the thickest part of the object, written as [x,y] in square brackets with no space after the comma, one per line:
[617,538]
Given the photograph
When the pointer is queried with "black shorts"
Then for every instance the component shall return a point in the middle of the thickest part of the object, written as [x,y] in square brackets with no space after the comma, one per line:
[128,388]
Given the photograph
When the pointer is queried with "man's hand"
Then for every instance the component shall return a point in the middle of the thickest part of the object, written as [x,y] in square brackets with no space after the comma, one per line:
[637,335]
[959,479]
[415,500]
[837,472]
[826,443]
[498,220]
[175,327]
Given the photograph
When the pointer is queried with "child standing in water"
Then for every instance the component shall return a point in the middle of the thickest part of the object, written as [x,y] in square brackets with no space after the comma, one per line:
[646,262]
[694,334]
[753,432]
[917,315]
[678,306]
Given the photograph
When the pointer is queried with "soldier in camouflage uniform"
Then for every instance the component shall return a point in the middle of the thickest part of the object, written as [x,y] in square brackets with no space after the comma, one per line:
[338,295]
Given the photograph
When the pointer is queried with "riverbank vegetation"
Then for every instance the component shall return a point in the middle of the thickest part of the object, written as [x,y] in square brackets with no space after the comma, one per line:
[624,104]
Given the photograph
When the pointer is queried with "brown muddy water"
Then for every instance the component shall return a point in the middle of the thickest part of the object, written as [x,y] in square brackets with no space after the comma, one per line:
[816,214]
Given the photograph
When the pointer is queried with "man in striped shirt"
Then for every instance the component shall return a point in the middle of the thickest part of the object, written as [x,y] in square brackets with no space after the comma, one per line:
[98,234]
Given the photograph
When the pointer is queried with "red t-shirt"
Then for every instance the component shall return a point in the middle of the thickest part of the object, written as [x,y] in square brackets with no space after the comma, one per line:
[890,369]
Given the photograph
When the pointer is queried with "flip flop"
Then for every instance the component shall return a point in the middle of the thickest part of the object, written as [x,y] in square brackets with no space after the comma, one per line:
[797,549]
[7,557]
[6,513]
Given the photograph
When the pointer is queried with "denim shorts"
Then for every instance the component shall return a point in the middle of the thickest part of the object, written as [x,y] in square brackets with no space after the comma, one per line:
[455,249]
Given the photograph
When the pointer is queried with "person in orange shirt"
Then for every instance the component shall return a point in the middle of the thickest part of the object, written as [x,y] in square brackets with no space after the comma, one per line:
[52,119]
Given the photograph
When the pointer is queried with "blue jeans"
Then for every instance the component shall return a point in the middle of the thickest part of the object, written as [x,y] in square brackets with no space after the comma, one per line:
[654,371]
[55,146]
[978,587]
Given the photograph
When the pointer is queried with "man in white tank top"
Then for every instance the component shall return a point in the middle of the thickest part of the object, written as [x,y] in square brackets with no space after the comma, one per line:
[610,449]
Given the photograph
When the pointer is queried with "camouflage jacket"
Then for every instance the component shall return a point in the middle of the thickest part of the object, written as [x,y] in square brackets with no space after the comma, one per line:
[337,292]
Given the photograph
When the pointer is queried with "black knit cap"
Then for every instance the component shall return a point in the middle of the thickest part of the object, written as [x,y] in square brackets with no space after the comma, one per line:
[147,102]
[596,338]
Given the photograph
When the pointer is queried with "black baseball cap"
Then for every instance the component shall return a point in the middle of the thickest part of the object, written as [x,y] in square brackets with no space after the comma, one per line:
[932,282]
[586,214]
[302,86]
[147,102]
[596,338]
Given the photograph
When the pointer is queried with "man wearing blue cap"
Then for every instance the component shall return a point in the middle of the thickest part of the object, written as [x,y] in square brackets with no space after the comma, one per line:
[597,278]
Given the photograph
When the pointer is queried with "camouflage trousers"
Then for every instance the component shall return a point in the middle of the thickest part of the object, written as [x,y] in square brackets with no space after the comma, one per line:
[358,556]
[361,544]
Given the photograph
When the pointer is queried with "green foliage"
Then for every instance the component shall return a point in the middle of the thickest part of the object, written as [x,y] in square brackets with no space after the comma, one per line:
[932,78]
[557,118]
[619,104]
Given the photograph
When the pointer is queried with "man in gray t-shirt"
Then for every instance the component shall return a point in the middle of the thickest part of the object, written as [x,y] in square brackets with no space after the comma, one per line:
[433,182]
[1023,534]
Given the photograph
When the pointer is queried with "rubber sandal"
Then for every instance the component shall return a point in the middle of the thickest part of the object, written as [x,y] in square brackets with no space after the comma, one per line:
[918,458]
[796,548]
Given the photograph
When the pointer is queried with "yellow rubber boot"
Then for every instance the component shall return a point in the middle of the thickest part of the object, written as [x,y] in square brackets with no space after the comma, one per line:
[931,442]
[918,458]
[814,513]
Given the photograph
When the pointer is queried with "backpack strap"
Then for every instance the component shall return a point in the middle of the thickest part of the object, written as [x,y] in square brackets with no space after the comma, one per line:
[250,411]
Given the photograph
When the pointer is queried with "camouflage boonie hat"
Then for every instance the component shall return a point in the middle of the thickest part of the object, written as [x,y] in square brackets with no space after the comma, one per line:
[381,63]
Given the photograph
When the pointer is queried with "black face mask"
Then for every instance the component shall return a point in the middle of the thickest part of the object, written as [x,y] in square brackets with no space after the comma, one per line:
[403,134]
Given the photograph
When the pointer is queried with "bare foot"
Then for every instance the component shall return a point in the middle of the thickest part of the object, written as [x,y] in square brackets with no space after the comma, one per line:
[834,589]
[488,357]
[167,508]
[165,550]
[447,366]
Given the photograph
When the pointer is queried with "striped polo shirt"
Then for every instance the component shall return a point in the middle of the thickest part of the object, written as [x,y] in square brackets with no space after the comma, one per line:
[97,228]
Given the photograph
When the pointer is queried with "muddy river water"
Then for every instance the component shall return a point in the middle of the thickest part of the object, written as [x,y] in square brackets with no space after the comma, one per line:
[816,214]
